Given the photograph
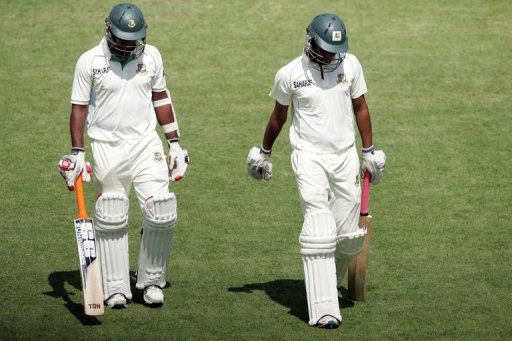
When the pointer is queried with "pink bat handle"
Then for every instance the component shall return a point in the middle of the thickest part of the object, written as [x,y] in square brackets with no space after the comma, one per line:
[365,196]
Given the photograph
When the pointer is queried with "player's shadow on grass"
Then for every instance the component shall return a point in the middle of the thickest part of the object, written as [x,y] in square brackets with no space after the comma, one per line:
[57,281]
[290,293]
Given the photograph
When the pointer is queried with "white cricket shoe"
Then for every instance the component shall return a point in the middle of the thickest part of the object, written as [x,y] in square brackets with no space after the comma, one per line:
[117,301]
[153,295]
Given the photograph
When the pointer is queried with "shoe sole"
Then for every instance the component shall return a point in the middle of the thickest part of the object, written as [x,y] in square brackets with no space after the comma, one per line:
[331,324]
[328,325]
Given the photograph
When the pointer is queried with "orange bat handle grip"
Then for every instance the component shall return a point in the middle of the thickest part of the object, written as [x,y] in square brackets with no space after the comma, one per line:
[80,198]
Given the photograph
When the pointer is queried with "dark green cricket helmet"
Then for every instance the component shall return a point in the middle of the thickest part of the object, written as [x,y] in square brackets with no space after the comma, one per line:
[126,22]
[328,32]
[125,31]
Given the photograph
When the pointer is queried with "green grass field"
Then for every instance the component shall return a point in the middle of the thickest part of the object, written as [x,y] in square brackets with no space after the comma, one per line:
[439,77]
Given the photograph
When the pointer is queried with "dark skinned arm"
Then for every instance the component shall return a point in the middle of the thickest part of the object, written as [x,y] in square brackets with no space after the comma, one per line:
[364,123]
[275,124]
[164,113]
[77,124]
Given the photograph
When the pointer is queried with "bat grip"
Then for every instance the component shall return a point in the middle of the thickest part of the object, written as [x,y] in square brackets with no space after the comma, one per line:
[80,198]
[365,195]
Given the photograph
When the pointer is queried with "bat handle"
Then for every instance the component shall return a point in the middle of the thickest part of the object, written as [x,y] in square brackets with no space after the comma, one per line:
[365,195]
[80,198]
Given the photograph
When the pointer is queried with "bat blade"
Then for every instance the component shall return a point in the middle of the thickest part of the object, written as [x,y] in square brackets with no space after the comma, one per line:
[358,267]
[90,270]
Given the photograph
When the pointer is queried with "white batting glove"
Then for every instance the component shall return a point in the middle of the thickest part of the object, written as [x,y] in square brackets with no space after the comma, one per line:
[258,164]
[71,166]
[177,161]
[374,161]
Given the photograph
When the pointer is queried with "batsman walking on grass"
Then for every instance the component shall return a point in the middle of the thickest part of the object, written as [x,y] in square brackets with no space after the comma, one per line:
[119,88]
[325,87]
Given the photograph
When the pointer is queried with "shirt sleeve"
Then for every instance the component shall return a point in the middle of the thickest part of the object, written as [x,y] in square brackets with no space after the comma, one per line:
[158,82]
[82,82]
[281,91]
[358,87]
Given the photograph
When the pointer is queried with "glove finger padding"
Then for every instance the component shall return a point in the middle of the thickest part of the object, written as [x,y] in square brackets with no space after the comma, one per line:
[262,171]
[374,163]
[258,166]
[87,173]
[180,167]
[178,161]
[379,158]
[266,171]
[70,167]
[171,163]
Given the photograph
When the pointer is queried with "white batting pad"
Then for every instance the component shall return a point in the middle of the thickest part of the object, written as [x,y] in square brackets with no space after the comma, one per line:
[158,221]
[111,235]
[318,244]
[348,246]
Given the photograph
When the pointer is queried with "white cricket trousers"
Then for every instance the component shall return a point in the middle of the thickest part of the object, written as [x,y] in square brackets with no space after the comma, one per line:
[330,182]
[141,162]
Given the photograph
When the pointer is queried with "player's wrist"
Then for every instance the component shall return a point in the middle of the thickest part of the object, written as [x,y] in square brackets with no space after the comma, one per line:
[79,152]
[173,140]
[265,152]
[368,152]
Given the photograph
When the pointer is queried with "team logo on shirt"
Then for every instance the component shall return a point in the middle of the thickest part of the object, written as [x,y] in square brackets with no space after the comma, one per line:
[158,157]
[357,180]
[303,83]
[342,79]
[141,69]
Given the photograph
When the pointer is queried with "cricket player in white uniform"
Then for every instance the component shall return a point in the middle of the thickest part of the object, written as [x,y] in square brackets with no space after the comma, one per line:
[325,87]
[119,88]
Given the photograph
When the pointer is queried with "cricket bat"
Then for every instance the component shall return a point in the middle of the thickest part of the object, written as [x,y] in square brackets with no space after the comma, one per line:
[90,271]
[358,268]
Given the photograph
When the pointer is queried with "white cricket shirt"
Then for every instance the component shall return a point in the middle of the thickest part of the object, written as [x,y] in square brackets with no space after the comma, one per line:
[323,117]
[119,98]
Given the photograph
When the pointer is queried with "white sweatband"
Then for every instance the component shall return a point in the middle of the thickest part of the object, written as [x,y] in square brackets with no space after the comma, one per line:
[173,126]
[161,102]
[370,149]
[265,152]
